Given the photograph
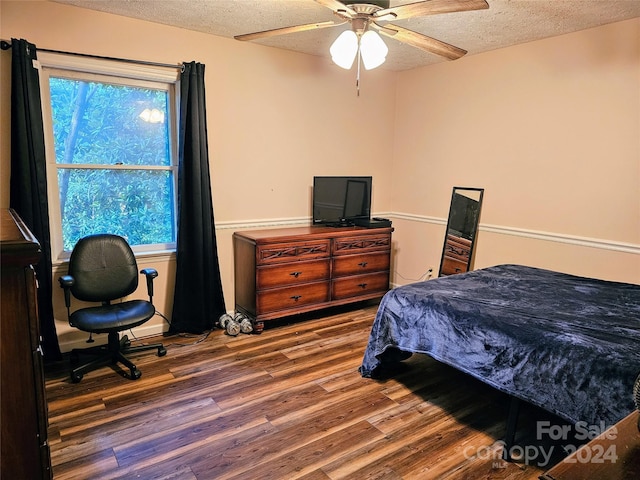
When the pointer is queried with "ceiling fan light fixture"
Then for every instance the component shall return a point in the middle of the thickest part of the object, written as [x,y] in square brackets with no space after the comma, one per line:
[344,49]
[373,50]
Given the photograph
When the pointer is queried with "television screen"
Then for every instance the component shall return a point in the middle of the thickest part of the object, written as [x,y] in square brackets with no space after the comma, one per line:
[341,200]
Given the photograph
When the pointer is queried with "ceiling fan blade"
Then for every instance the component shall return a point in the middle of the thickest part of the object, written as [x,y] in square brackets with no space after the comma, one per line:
[337,6]
[285,30]
[429,7]
[421,41]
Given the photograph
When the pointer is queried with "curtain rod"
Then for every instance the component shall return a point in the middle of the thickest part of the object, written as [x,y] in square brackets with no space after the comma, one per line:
[4,45]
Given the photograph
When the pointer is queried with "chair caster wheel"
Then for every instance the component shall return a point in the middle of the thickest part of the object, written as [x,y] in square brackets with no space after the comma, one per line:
[162,351]
[135,374]
[76,377]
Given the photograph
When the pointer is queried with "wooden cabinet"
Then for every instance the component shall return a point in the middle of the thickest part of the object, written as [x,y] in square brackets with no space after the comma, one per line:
[457,251]
[24,451]
[612,455]
[286,271]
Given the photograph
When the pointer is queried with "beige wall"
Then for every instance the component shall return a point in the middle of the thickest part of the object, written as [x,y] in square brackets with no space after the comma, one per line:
[549,129]
[275,119]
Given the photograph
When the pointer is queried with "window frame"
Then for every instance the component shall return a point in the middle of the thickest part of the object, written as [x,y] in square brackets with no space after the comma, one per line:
[112,71]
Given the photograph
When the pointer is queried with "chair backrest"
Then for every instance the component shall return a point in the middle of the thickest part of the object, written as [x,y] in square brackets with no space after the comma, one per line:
[104,268]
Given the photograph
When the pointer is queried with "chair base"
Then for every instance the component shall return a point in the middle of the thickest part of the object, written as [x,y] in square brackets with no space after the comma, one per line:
[111,353]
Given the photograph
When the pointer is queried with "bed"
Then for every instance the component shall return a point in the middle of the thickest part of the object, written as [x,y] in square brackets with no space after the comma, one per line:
[568,344]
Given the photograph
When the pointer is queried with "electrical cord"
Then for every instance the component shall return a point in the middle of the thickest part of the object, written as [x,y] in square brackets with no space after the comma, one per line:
[199,338]
[426,274]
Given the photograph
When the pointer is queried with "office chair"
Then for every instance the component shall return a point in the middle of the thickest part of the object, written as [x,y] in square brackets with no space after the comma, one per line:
[102,268]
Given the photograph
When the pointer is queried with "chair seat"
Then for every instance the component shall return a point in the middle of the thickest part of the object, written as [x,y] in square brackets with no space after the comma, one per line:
[113,318]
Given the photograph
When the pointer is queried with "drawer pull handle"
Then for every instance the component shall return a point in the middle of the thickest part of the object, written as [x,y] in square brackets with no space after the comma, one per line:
[295,274]
[363,264]
[295,298]
[362,285]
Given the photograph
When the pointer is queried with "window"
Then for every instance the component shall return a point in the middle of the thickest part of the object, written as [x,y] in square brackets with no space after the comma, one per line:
[111,152]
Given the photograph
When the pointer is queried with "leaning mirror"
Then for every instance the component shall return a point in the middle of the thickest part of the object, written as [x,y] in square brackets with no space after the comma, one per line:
[462,229]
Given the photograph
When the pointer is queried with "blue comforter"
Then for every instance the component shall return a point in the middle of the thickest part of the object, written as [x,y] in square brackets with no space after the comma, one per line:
[568,344]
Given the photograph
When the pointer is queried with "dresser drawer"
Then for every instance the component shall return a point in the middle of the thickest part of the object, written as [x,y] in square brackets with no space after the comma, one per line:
[361,244]
[457,247]
[292,252]
[360,264]
[291,297]
[359,285]
[291,273]
[451,266]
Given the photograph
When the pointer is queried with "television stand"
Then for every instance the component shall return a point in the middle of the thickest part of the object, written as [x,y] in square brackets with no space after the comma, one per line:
[286,271]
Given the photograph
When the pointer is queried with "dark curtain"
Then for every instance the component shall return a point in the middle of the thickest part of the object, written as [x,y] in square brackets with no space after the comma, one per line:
[28,184]
[198,301]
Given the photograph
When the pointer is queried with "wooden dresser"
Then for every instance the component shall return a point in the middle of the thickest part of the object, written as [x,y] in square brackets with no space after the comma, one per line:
[455,259]
[286,271]
[24,451]
[612,455]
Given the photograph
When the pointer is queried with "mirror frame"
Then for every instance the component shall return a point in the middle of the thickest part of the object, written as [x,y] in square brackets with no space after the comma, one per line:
[457,244]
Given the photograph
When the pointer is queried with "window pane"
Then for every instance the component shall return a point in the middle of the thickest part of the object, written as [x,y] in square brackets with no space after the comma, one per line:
[137,205]
[109,124]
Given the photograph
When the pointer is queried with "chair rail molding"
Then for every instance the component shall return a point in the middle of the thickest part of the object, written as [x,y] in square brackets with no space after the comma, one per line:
[611,245]
[533,234]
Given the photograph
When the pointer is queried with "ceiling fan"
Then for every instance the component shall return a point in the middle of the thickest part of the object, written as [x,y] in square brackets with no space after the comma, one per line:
[366,17]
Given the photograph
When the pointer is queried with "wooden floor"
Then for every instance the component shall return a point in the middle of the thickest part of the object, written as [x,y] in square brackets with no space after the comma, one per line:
[286,404]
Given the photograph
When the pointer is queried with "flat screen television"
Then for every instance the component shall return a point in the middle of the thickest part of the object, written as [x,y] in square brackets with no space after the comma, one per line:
[340,201]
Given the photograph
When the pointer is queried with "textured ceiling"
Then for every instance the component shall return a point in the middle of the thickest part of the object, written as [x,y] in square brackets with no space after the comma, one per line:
[505,23]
